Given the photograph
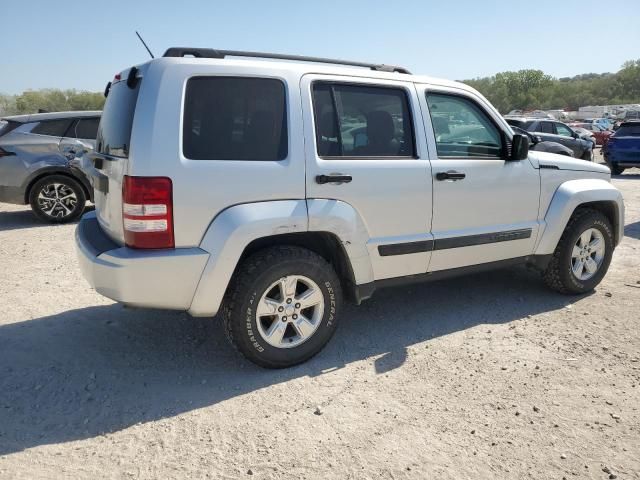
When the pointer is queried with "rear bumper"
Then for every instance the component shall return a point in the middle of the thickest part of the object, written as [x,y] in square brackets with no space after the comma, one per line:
[11,195]
[143,278]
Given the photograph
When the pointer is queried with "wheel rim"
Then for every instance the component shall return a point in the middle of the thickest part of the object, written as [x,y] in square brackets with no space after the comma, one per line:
[290,311]
[588,254]
[57,200]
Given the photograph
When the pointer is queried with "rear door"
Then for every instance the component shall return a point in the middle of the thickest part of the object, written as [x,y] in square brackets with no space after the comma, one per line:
[366,147]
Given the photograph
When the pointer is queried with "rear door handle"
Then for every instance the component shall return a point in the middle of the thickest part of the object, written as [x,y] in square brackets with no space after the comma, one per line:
[334,178]
[450,175]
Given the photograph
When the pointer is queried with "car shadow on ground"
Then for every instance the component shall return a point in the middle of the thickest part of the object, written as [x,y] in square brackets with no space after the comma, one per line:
[85,372]
[17,219]
[632,230]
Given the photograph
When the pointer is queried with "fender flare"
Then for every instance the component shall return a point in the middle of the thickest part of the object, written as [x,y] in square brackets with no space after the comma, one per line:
[233,229]
[569,196]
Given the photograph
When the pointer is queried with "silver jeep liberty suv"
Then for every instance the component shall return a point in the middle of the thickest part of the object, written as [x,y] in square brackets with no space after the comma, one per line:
[266,191]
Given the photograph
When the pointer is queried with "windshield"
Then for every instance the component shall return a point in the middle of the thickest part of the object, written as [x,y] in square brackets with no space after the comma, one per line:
[114,132]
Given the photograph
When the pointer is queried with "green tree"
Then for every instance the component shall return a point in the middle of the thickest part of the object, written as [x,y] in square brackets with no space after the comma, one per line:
[50,100]
[533,89]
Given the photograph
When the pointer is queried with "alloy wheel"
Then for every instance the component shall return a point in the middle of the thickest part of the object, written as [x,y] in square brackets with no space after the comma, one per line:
[588,254]
[290,311]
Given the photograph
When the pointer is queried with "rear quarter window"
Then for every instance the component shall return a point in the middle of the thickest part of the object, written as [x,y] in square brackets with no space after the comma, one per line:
[114,131]
[234,118]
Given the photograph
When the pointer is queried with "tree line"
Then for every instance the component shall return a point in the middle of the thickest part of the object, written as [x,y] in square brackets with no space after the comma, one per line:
[521,90]
[50,100]
[533,89]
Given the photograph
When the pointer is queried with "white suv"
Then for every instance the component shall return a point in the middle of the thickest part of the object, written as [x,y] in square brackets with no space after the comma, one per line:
[268,190]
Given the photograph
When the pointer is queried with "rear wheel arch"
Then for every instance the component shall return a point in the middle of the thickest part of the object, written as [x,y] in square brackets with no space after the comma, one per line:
[42,174]
[325,244]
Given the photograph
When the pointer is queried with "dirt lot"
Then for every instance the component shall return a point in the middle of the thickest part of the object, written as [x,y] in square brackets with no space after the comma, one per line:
[488,376]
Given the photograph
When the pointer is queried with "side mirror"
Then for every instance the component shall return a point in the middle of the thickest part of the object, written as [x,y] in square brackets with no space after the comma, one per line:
[537,139]
[519,147]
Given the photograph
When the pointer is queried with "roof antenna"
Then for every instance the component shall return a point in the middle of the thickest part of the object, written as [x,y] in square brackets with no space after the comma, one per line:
[145,45]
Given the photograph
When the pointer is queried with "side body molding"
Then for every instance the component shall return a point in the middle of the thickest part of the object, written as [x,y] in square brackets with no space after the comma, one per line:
[567,198]
[236,227]
[227,237]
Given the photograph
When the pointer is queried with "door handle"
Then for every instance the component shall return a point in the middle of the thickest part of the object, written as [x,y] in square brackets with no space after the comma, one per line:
[450,175]
[336,178]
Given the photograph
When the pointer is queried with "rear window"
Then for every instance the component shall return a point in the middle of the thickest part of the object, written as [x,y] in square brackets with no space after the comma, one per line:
[235,119]
[114,131]
[628,131]
[54,128]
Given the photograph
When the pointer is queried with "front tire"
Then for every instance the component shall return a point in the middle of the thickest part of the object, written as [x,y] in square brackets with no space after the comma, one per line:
[57,199]
[588,155]
[281,306]
[583,254]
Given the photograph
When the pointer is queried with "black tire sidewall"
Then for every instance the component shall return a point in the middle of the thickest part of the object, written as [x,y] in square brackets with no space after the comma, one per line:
[567,277]
[245,325]
[67,181]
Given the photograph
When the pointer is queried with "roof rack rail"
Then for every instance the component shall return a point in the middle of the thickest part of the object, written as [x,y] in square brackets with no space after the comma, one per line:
[212,53]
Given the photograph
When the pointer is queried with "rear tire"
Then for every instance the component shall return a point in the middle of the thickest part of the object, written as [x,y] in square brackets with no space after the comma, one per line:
[57,199]
[264,310]
[564,273]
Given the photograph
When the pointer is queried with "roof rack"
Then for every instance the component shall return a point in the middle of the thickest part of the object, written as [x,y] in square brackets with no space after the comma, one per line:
[212,53]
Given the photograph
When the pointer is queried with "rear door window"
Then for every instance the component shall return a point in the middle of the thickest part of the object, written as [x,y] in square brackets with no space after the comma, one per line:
[85,128]
[54,128]
[546,127]
[114,131]
[234,118]
[362,121]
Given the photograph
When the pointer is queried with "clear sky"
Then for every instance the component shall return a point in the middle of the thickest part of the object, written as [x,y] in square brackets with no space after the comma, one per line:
[82,43]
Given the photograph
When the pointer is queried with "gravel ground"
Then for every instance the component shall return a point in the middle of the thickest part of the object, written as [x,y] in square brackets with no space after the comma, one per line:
[487,376]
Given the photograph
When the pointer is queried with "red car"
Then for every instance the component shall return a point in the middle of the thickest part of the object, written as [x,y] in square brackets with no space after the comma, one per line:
[602,135]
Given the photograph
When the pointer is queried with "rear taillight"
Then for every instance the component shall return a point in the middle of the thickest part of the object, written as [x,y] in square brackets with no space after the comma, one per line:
[147,212]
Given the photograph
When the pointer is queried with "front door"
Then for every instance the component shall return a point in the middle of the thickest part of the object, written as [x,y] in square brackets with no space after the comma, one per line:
[485,206]
[370,152]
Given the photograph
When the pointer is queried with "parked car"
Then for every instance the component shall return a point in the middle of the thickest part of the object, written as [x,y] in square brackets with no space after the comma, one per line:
[37,155]
[246,188]
[536,143]
[623,148]
[554,131]
[601,134]
[586,135]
